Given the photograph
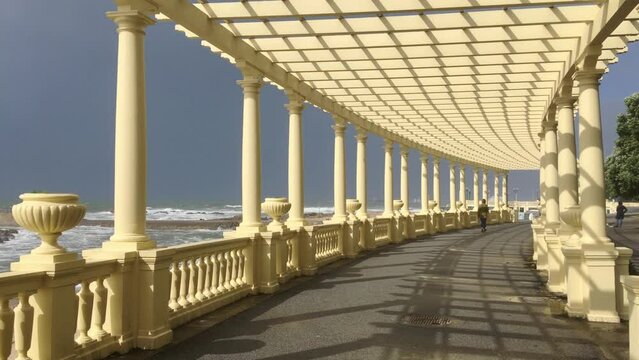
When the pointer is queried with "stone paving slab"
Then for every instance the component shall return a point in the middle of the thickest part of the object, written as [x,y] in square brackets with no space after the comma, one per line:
[462,295]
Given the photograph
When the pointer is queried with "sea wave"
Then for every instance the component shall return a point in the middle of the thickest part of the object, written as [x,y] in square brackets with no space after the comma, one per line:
[208,213]
[87,237]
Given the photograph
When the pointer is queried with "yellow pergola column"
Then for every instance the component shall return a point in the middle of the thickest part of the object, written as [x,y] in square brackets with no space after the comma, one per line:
[339,172]
[475,188]
[251,158]
[388,178]
[504,189]
[404,188]
[551,226]
[462,186]
[129,203]
[496,189]
[295,107]
[452,187]
[598,251]
[542,182]
[424,183]
[484,184]
[436,189]
[362,190]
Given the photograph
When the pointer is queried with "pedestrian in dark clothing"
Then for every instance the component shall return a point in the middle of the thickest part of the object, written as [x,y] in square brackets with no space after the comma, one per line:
[621,211]
[482,213]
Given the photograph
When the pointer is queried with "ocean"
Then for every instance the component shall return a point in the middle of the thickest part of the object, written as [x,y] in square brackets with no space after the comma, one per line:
[87,237]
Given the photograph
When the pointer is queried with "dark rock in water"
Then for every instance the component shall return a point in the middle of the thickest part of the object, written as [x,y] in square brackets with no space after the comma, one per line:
[7,234]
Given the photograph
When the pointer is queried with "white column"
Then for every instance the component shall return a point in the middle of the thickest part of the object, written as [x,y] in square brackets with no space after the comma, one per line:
[339,172]
[475,188]
[436,191]
[566,159]
[295,107]
[462,186]
[251,157]
[550,172]
[504,189]
[388,178]
[599,252]
[361,137]
[129,203]
[496,189]
[542,182]
[452,188]
[484,184]
[404,192]
[591,174]
[424,183]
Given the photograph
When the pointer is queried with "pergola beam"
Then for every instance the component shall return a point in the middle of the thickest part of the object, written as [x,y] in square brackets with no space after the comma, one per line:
[303,8]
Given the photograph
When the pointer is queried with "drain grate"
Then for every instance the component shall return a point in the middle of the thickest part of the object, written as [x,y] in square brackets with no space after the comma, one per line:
[424,320]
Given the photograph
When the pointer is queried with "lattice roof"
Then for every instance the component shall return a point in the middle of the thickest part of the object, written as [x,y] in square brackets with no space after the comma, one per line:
[469,80]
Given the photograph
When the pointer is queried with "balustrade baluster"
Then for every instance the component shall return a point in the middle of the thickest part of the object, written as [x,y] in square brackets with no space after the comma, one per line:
[208,270]
[201,273]
[233,256]
[99,310]
[221,288]
[6,328]
[175,286]
[85,307]
[228,270]
[190,297]
[240,267]
[215,279]
[184,283]
[23,325]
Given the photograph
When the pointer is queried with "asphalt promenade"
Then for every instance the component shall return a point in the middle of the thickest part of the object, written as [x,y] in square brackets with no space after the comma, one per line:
[461,295]
[627,236]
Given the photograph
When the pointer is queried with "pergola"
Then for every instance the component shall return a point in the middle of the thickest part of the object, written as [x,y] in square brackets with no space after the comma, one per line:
[468,79]
[491,84]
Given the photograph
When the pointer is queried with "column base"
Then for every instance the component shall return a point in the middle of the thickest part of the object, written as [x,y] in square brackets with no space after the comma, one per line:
[338,219]
[246,230]
[295,224]
[117,244]
[600,261]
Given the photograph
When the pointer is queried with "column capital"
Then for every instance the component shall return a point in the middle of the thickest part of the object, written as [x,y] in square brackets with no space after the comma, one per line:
[339,126]
[295,102]
[388,144]
[549,126]
[362,134]
[563,102]
[424,158]
[403,149]
[252,78]
[130,20]
[588,76]
[436,160]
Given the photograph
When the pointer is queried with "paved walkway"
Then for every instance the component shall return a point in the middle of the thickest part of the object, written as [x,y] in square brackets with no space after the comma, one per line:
[462,295]
[628,236]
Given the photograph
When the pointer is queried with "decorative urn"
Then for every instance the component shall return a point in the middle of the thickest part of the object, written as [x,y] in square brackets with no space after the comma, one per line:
[397,205]
[352,205]
[48,215]
[276,208]
[432,204]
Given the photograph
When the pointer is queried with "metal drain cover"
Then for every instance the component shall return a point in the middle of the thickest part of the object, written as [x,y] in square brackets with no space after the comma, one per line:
[424,320]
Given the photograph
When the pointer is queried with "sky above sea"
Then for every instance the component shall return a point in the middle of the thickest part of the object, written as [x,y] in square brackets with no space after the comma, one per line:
[57,98]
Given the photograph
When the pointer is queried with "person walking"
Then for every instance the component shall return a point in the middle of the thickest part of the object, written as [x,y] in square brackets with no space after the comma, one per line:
[621,211]
[482,213]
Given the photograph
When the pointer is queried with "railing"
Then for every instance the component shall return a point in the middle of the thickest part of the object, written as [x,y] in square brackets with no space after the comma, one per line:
[287,256]
[18,325]
[206,276]
[493,216]
[382,231]
[472,218]
[450,220]
[420,223]
[328,242]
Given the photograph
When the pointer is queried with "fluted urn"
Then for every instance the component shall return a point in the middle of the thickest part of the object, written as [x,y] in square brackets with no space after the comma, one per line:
[432,204]
[352,205]
[397,205]
[276,208]
[48,215]
[571,215]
